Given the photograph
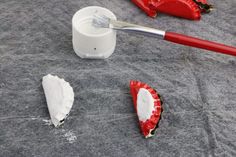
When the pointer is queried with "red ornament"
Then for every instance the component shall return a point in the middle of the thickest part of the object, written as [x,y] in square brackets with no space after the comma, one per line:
[189,9]
[148,126]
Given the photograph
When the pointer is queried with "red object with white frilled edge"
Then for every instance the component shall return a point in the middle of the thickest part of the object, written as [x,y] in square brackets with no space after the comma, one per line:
[148,106]
[188,9]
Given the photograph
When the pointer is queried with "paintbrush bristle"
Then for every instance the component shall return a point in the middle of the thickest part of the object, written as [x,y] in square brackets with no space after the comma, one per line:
[101,21]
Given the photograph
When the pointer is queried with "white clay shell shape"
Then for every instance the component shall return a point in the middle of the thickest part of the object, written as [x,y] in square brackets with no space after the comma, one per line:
[60,97]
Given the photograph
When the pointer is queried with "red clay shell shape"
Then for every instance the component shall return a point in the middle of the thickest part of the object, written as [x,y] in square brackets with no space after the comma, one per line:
[150,124]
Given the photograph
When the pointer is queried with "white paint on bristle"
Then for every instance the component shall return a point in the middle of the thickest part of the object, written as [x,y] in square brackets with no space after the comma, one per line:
[145,104]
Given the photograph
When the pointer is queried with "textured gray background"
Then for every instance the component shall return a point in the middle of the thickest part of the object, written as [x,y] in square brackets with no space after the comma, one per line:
[198,87]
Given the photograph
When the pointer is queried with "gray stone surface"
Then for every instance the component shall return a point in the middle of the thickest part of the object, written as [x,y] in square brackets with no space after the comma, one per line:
[198,87]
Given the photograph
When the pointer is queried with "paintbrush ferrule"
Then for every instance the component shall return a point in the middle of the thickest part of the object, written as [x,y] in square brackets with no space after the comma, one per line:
[128,27]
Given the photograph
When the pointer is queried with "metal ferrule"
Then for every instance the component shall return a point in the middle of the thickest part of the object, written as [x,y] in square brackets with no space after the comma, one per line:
[127,27]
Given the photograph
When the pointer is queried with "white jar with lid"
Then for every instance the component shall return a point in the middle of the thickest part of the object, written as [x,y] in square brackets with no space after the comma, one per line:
[89,41]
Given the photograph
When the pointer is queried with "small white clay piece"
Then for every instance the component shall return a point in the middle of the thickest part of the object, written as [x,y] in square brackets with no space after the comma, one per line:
[60,97]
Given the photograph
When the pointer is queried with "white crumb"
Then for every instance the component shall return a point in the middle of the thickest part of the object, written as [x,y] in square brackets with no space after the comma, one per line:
[70,136]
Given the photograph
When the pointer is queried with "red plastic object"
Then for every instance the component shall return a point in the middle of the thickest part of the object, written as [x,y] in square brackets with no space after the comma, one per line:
[149,126]
[199,43]
[189,9]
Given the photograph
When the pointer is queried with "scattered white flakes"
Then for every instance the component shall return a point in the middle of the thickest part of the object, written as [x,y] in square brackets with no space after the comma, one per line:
[70,136]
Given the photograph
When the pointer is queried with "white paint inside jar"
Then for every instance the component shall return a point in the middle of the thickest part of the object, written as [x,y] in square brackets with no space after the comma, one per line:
[86,26]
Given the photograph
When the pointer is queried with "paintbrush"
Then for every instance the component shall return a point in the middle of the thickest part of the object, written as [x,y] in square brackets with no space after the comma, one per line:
[103,21]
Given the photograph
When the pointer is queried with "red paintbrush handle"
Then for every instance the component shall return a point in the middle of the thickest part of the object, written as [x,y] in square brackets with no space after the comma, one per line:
[199,43]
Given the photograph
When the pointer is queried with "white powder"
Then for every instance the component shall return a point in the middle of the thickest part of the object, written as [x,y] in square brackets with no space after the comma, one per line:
[70,136]
[145,104]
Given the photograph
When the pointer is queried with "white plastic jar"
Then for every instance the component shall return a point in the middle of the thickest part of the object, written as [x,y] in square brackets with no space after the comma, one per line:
[89,41]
